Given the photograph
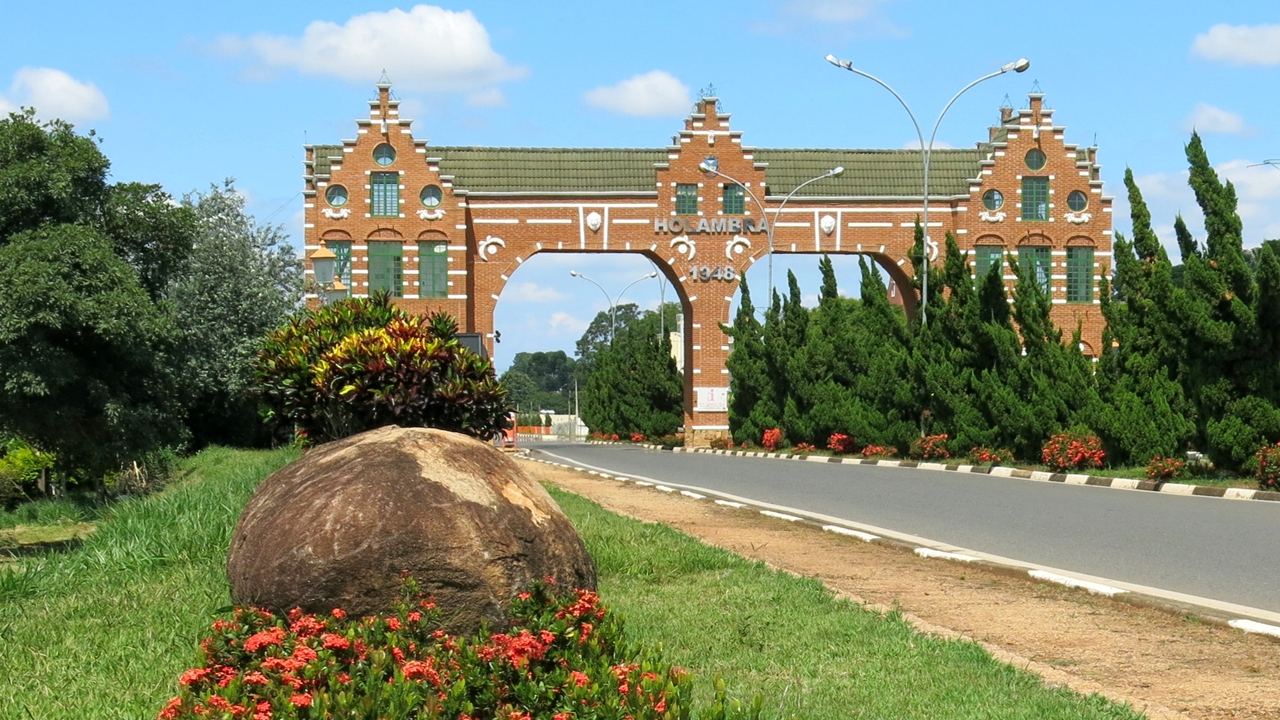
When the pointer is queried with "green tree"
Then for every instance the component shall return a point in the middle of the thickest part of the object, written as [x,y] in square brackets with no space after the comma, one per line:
[522,391]
[241,281]
[748,378]
[634,386]
[86,358]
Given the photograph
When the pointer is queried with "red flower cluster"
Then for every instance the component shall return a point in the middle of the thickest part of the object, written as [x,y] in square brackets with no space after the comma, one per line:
[1163,468]
[930,447]
[772,439]
[840,444]
[549,664]
[637,437]
[987,456]
[871,451]
[1067,451]
[1268,473]
[804,447]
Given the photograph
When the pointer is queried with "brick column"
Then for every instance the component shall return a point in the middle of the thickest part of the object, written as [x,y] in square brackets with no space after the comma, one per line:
[706,348]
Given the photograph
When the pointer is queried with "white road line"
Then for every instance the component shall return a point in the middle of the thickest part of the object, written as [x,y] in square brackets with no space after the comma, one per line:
[940,555]
[664,488]
[780,516]
[693,495]
[729,503]
[851,533]
[1093,587]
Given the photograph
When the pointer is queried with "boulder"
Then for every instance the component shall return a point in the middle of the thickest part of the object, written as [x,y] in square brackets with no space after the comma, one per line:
[338,527]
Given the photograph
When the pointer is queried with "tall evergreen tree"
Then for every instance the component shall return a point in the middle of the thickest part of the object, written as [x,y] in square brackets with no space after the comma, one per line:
[749,382]
[634,386]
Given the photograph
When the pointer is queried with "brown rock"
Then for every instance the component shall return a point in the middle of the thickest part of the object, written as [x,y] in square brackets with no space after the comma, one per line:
[339,526]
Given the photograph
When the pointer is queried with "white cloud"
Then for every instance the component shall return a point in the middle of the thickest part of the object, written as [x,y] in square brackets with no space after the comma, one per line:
[653,94]
[55,94]
[937,145]
[832,11]
[564,323]
[427,48]
[1205,118]
[1240,44]
[532,292]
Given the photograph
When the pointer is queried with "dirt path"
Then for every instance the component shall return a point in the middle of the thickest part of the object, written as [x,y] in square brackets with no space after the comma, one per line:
[1164,664]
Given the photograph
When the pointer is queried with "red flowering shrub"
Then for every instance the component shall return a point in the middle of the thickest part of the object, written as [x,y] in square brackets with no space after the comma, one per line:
[1073,451]
[613,437]
[871,451]
[930,447]
[1162,468]
[1268,472]
[721,443]
[987,456]
[563,657]
[772,439]
[804,448]
[840,444]
[637,437]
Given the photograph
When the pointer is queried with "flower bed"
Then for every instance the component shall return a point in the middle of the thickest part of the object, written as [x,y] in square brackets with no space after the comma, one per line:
[564,657]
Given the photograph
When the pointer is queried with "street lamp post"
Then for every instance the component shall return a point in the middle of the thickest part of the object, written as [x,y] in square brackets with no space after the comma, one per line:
[926,151]
[324,263]
[613,302]
[769,226]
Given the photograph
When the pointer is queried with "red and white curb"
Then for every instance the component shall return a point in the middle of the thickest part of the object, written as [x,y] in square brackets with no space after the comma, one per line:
[1223,612]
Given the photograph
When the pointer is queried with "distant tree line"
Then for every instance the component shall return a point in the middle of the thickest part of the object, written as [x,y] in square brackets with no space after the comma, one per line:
[1190,356]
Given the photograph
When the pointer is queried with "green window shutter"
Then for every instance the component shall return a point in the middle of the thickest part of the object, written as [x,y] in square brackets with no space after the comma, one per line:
[385,273]
[342,266]
[433,269]
[1035,198]
[1080,274]
[1035,262]
[686,199]
[384,194]
[986,256]
[733,199]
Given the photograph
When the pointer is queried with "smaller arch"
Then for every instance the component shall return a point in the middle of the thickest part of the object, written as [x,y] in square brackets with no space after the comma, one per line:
[336,235]
[1035,239]
[990,239]
[1081,241]
[1087,349]
[432,235]
[385,234]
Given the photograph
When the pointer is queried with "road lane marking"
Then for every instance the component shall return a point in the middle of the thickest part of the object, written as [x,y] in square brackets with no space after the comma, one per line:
[1250,626]
[942,555]
[780,516]
[868,537]
[1093,587]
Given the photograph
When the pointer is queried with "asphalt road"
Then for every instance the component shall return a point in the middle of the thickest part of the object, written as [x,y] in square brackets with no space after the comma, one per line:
[1225,550]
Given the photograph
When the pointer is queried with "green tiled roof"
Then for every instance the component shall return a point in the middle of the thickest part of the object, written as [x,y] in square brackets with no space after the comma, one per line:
[870,172]
[480,169]
[324,156]
[555,170]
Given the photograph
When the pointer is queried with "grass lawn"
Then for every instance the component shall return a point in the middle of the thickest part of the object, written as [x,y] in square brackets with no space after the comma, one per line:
[104,630]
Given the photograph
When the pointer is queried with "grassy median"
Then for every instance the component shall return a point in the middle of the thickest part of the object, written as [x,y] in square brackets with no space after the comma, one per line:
[104,630]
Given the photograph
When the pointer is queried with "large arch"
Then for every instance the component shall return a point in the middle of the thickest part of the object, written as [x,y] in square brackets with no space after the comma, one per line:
[497,207]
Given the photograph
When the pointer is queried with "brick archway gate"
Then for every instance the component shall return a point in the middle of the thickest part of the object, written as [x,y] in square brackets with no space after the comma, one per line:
[444,228]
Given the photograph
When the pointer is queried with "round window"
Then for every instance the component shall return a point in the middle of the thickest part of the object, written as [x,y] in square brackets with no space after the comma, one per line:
[336,195]
[384,154]
[1035,159]
[992,200]
[431,196]
[1077,201]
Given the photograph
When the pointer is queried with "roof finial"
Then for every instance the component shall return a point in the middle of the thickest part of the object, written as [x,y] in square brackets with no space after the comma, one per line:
[1007,104]
[384,80]
[1035,88]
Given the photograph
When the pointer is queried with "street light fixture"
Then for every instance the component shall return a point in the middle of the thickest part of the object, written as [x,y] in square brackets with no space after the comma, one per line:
[769,226]
[324,263]
[1019,66]
[613,302]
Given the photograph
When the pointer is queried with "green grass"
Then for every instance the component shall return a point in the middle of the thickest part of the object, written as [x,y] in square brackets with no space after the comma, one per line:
[792,641]
[104,630]
[50,512]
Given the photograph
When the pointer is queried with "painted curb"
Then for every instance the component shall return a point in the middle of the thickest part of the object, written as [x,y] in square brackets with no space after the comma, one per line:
[1167,488]
[1212,615]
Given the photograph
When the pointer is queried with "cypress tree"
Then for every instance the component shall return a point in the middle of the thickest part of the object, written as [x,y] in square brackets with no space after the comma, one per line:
[749,383]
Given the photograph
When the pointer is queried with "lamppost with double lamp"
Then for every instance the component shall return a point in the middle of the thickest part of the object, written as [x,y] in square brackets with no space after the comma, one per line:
[613,302]
[926,151]
[769,226]
[324,263]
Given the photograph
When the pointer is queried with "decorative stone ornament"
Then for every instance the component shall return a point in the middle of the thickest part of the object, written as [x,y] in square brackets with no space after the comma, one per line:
[332,214]
[736,246]
[991,217]
[1078,218]
[339,526]
[685,246]
[431,214]
[489,247]
[594,221]
[827,224]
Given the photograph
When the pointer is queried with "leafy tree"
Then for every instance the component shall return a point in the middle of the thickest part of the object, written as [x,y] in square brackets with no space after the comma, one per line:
[748,379]
[86,358]
[49,175]
[599,333]
[522,391]
[240,282]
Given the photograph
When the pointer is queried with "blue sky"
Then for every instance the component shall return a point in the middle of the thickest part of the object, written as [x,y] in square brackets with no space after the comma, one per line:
[187,94]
